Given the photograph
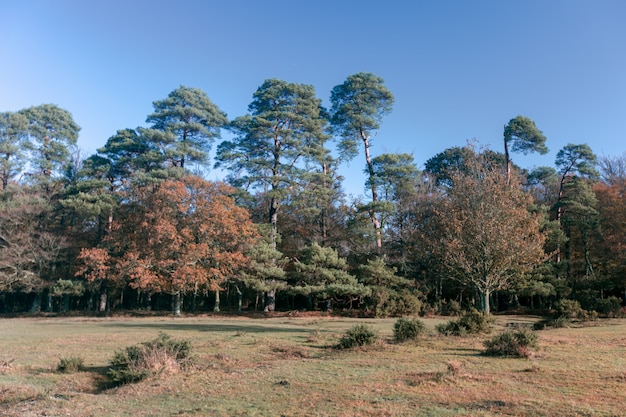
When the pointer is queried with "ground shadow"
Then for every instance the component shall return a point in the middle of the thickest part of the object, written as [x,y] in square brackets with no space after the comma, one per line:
[213,327]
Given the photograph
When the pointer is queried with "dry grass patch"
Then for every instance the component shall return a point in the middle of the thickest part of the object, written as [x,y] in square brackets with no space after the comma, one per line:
[270,366]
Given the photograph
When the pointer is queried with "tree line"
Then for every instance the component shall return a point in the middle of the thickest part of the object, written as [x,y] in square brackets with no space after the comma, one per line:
[137,226]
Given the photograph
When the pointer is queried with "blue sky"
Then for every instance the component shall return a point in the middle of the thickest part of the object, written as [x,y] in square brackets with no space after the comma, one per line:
[459,70]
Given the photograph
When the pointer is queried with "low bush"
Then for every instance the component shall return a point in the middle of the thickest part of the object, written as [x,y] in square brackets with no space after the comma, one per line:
[511,343]
[471,322]
[359,335]
[408,329]
[71,364]
[161,355]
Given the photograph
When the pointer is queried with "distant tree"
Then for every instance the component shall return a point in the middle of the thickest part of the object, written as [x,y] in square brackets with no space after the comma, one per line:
[486,236]
[579,214]
[52,133]
[13,146]
[358,106]
[611,251]
[442,166]
[521,135]
[187,122]
[396,177]
[543,183]
[613,169]
[284,130]
[570,161]
[29,249]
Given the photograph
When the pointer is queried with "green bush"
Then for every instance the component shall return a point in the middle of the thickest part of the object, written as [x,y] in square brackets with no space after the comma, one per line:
[71,364]
[450,308]
[610,306]
[571,310]
[160,355]
[471,322]
[359,335]
[408,329]
[514,344]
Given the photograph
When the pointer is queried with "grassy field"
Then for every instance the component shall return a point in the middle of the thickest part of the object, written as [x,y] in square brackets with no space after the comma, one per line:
[286,366]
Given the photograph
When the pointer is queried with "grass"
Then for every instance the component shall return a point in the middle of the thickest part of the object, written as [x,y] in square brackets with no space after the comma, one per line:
[287,366]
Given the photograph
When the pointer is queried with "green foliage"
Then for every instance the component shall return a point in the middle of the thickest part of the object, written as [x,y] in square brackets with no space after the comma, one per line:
[71,364]
[449,308]
[471,322]
[523,136]
[391,295]
[135,363]
[514,344]
[408,329]
[591,300]
[358,106]
[571,310]
[358,335]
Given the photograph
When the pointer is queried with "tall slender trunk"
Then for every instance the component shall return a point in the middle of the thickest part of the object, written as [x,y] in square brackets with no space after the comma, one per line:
[507,160]
[372,212]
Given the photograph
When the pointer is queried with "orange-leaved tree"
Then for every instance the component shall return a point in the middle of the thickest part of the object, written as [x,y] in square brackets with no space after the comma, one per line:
[175,237]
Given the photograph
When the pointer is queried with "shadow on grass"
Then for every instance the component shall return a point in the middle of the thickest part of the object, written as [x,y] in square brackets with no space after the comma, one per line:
[214,327]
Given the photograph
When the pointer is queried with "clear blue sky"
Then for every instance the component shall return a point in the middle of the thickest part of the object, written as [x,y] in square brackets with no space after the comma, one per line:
[458,69]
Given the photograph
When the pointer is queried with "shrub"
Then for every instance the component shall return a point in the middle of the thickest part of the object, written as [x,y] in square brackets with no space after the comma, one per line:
[610,306]
[136,363]
[450,308]
[515,344]
[391,303]
[359,335]
[71,364]
[471,322]
[408,329]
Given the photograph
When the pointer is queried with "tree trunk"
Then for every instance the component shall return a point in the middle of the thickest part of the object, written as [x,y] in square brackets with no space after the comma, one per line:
[36,306]
[507,160]
[104,297]
[485,295]
[239,299]
[216,308]
[270,301]
[372,213]
[176,304]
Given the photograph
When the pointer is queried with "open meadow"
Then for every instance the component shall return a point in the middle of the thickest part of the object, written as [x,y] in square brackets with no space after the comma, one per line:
[286,365]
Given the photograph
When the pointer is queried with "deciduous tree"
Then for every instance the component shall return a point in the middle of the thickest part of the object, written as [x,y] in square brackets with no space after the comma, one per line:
[175,237]
[487,235]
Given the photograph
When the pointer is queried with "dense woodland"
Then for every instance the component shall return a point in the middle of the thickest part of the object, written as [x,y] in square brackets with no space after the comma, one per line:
[136,225]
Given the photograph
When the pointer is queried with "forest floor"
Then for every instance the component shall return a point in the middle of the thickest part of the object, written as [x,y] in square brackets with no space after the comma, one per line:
[286,365]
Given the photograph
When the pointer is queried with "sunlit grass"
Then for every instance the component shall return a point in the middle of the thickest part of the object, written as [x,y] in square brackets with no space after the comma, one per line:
[287,366]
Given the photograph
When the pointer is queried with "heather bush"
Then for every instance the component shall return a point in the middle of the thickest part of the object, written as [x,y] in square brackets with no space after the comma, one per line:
[408,329]
[71,364]
[510,343]
[471,322]
[161,355]
[359,335]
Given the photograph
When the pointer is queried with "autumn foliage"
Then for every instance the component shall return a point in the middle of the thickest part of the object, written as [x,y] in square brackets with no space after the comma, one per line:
[175,237]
